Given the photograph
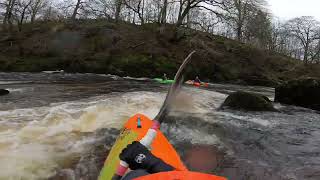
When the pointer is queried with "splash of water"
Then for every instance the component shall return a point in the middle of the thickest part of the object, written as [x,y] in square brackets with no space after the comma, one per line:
[36,141]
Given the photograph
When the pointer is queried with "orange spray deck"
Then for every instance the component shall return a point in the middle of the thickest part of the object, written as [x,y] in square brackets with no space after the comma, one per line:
[134,130]
[180,175]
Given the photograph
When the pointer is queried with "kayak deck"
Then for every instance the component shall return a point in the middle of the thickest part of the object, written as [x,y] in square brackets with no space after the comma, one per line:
[180,175]
[131,131]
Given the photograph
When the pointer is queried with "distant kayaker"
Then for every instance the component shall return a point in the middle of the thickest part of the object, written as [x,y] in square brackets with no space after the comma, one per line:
[197,80]
[143,163]
[165,77]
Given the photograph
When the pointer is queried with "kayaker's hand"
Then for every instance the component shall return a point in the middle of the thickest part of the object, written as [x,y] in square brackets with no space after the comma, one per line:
[136,155]
[139,157]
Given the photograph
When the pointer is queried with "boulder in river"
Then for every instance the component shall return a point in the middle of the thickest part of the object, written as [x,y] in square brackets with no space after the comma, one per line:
[302,92]
[4,92]
[248,101]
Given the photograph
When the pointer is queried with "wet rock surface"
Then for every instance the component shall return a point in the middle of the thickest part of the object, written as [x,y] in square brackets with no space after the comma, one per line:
[247,101]
[4,92]
[303,92]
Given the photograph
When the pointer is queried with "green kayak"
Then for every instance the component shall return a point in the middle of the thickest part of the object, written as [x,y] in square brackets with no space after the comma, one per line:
[159,80]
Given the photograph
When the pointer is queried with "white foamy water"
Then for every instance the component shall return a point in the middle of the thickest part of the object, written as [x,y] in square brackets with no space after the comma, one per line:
[13,82]
[194,100]
[36,141]
[20,90]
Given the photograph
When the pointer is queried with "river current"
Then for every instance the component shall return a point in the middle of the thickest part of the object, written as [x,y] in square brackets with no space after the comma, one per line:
[61,126]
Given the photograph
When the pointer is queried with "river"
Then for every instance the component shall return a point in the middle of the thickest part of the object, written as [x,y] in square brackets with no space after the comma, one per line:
[61,126]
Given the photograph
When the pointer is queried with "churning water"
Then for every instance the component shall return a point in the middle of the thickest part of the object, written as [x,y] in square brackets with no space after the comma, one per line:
[54,125]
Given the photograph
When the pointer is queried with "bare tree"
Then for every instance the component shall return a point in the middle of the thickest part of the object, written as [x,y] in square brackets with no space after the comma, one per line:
[276,39]
[77,7]
[237,12]
[258,29]
[51,13]
[164,11]
[75,11]
[315,53]
[306,30]
[8,15]
[207,21]
[202,20]
[282,42]
[35,7]
[21,12]
[185,7]
[118,5]
[106,8]
[137,6]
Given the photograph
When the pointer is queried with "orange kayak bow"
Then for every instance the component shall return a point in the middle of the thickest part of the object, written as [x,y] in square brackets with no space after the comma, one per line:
[134,130]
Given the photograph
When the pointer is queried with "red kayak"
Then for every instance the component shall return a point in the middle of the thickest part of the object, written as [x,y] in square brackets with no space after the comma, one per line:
[196,84]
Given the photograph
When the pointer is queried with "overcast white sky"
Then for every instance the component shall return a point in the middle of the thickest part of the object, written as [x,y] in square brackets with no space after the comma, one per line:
[287,9]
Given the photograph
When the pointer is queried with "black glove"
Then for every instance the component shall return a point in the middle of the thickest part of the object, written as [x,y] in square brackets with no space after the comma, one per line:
[139,157]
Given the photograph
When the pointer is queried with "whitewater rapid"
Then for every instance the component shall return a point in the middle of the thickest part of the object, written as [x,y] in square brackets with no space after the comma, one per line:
[63,123]
[36,141]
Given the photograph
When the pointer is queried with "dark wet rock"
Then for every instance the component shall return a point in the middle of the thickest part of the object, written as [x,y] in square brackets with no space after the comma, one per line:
[248,101]
[4,92]
[303,92]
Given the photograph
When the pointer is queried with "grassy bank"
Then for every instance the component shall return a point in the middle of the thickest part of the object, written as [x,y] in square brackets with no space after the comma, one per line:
[99,46]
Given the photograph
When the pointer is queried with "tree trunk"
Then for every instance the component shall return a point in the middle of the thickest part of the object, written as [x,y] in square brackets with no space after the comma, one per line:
[35,9]
[23,13]
[180,20]
[75,12]
[141,18]
[183,16]
[239,33]
[118,10]
[134,18]
[240,19]
[164,12]
[142,13]
[306,53]
[8,14]
[33,16]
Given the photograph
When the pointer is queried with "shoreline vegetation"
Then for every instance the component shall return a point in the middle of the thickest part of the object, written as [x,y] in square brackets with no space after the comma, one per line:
[237,41]
[149,50]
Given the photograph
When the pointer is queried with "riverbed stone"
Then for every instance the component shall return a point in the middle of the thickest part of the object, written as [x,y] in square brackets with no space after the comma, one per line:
[302,92]
[248,102]
[4,92]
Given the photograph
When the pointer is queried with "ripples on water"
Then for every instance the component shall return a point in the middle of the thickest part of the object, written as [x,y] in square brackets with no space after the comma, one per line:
[54,122]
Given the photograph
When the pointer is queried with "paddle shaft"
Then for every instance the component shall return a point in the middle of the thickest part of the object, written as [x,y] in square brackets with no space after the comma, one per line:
[152,132]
